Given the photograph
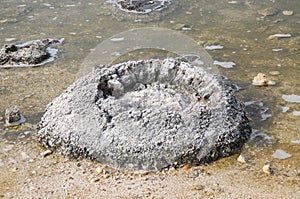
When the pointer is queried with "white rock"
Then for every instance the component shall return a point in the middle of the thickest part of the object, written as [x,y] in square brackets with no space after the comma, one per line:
[117,39]
[224,64]
[291,98]
[296,113]
[214,47]
[285,109]
[281,154]
[267,169]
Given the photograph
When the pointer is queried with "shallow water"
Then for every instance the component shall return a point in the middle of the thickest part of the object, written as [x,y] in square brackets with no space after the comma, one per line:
[236,25]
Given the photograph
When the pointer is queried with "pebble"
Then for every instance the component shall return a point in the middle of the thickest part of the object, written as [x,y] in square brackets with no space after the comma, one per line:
[224,64]
[106,176]
[1,118]
[172,169]
[277,36]
[186,167]
[198,188]
[117,39]
[296,113]
[241,159]
[214,47]
[285,109]
[46,153]
[281,154]
[1,163]
[262,80]
[298,173]
[271,11]
[291,98]
[295,141]
[274,72]
[288,12]
[267,169]
[9,39]
[99,170]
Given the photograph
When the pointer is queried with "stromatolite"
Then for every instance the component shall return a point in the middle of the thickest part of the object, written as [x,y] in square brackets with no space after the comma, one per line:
[31,53]
[146,115]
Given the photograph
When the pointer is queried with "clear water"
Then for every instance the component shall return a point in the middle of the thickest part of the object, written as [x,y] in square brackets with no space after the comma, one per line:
[236,25]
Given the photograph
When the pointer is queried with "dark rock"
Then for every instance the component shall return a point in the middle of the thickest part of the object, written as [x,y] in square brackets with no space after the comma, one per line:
[30,53]
[146,115]
[13,116]
[141,6]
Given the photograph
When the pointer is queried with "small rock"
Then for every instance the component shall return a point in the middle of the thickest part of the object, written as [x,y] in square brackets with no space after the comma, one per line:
[13,117]
[298,173]
[274,73]
[296,113]
[106,176]
[172,169]
[198,188]
[186,167]
[267,169]
[262,80]
[291,98]
[224,64]
[277,36]
[46,153]
[281,154]
[1,163]
[99,170]
[288,12]
[242,159]
[271,11]
[285,109]
[1,118]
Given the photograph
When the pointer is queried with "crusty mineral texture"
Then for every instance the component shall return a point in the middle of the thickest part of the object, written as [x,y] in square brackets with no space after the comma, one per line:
[141,6]
[146,115]
[31,53]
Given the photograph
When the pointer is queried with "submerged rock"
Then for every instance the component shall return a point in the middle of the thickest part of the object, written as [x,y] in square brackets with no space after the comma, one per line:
[13,116]
[281,154]
[32,53]
[141,6]
[146,115]
[262,80]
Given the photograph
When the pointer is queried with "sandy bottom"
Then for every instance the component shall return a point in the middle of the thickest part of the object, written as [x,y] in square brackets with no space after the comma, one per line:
[26,173]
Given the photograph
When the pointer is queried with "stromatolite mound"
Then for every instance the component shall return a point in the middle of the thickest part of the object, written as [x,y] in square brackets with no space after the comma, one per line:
[141,6]
[141,10]
[31,53]
[146,115]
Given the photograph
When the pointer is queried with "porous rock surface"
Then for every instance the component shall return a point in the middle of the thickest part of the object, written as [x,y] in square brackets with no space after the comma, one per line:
[141,6]
[29,53]
[146,115]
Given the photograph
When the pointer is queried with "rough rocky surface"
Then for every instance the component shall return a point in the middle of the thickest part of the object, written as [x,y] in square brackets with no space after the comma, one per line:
[141,6]
[13,116]
[146,115]
[30,53]
[142,10]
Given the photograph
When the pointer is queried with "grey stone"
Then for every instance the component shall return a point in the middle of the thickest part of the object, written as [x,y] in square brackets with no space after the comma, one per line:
[141,6]
[31,53]
[146,115]
[13,116]
[281,154]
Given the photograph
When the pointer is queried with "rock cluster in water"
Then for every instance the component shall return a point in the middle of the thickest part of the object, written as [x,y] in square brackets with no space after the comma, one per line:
[146,115]
[28,54]
[141,6]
